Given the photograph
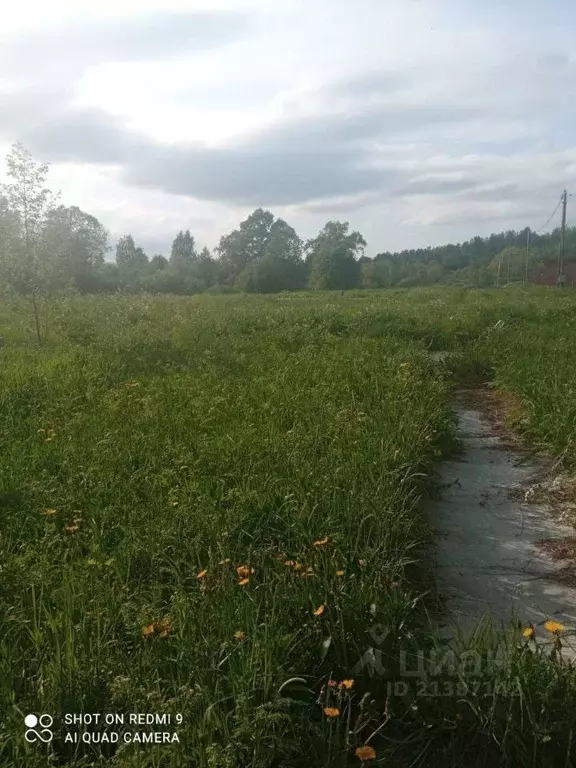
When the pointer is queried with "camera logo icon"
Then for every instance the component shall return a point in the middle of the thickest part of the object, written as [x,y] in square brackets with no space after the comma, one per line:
[38,728]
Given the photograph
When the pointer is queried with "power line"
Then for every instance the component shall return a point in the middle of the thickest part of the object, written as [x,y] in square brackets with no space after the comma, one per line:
[551,216]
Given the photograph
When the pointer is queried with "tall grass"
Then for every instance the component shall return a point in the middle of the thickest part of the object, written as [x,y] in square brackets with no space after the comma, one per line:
[208,506]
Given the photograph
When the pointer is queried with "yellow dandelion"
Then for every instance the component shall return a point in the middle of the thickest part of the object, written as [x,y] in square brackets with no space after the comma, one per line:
[243,582]
[202,574]
[244,571]
[321,542]
[365,753]
[553,626]
[71,528]
[528,632]
[148,630]
[163,627]
[331,711]
[339,573]
[239,635]
[320,610]
[347,684]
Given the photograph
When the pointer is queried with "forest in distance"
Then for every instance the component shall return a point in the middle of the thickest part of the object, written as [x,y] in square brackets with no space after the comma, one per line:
[47,248]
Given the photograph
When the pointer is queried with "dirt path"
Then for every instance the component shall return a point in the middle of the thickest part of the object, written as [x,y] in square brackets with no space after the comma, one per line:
[486,534]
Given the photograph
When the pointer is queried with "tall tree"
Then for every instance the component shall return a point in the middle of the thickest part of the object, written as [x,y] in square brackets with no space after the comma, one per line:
[74,243]
[332,257]
[128,255]
[158,262]
[245,245]
[29,201]
[183,252]
[283,243]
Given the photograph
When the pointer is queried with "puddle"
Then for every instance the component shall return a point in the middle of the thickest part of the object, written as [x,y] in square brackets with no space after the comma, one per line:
[486,536]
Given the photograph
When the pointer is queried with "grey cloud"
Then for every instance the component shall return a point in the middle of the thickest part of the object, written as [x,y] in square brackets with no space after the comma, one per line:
[292,162]
[71,49]
[369,85]
[310,160]
[295,162]
[86,135]
[432,186]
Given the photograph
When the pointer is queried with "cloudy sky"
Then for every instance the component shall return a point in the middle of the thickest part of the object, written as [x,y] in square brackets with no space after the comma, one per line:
[418,121]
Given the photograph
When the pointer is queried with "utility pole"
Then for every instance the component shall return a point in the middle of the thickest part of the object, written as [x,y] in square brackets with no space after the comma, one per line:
[527,254]
[561,275]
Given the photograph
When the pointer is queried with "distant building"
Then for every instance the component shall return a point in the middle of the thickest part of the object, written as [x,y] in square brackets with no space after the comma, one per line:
[548,275]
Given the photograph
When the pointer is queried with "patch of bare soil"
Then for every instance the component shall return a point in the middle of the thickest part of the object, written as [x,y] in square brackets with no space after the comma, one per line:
[551,486]
[502,410]
[560,550]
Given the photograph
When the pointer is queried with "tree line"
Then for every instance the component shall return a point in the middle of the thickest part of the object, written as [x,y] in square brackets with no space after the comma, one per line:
[48,248]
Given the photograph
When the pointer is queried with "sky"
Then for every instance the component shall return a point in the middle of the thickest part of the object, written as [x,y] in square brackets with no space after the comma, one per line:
[420,122]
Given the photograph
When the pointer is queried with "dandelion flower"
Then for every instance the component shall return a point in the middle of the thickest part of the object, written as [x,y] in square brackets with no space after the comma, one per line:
[347,684]
[320,610]
[163,628]
[528,632]
[321,542]
[339,573]
[243,582]
[244,571]
[72,528]
[331,711]
[239,635]
[365,753]
[553,626]
[202,574]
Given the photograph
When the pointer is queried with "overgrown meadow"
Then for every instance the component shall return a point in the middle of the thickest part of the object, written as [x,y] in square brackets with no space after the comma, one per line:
[211,506]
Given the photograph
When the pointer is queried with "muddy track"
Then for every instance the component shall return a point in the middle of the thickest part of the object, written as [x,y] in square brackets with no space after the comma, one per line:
[489,536]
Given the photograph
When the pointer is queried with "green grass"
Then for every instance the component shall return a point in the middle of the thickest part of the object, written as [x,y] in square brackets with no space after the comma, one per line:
[174,436]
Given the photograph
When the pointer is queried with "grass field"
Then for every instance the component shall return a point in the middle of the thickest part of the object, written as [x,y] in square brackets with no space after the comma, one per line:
[210,506]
